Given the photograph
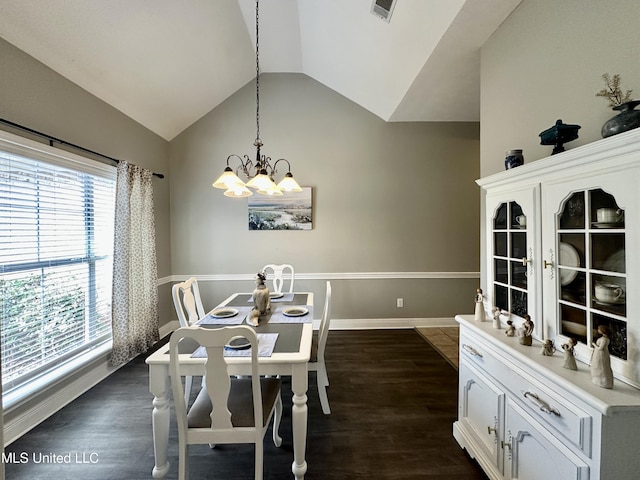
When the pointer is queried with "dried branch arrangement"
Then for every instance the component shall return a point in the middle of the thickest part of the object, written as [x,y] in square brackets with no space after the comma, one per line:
[613,92]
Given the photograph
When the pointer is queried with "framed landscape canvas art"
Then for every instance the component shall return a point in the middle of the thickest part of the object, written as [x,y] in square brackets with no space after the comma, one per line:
[290,211]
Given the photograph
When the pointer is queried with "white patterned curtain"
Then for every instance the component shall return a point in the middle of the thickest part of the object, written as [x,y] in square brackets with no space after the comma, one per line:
[135,274]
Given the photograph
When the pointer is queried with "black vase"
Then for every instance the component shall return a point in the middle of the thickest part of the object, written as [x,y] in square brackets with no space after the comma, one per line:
[627,119]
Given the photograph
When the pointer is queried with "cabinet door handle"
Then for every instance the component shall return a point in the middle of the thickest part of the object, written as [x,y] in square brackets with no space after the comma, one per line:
[471,350]
[541,404]
[504,445]
[491,430]
[546,264]
[525,260]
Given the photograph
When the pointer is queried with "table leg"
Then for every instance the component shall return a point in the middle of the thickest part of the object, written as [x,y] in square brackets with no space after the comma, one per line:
[299,385]
[159,387]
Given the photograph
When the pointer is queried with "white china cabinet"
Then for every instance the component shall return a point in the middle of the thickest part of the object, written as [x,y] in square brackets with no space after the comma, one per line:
[562,245]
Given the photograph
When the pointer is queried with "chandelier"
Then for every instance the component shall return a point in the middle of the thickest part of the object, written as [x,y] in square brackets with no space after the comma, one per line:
[261,171]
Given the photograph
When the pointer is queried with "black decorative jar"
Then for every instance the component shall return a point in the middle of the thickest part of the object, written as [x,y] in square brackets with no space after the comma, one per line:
[558,135]
[513,158]
[627,119]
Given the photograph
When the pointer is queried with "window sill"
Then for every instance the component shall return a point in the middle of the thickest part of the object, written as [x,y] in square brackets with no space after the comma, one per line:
[21,395]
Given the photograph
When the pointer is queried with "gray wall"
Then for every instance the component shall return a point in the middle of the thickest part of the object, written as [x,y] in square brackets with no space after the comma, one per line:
[387,197]
[33,95]
[545,63]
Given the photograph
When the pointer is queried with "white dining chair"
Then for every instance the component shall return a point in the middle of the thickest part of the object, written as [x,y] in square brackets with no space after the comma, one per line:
[186,300]
[278,273]
[227,409]
[316,362]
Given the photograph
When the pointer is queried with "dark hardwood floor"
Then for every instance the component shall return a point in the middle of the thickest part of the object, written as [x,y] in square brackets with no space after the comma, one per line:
[393,400]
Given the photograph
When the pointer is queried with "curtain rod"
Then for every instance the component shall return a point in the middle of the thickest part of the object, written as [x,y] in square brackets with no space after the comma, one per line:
[63,142]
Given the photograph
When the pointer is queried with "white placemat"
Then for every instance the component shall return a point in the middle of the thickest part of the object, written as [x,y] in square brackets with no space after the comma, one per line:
[266,344]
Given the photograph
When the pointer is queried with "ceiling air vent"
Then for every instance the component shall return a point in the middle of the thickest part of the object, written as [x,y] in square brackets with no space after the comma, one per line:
[383,8]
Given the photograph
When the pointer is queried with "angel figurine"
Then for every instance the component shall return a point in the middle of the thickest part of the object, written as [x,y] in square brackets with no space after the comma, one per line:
[525,332]
[548,348]
[511,330]
[569,357]
[601,373]
[479,312]
[496,317]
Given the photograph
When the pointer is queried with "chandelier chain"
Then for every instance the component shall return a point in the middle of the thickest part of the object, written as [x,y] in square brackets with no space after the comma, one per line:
[257,77]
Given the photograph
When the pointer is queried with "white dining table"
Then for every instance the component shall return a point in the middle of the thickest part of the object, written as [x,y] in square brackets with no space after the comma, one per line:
[290,357]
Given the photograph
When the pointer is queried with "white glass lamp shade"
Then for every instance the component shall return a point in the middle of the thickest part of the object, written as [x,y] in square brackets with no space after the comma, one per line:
[228,180]
[262,182]
[273,191]
[238,191]
[288,184]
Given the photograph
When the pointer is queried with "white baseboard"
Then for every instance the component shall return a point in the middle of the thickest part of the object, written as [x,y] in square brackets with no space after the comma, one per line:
[389,323]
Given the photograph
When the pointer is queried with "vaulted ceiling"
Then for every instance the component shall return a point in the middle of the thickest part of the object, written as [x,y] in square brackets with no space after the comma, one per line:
[166,63]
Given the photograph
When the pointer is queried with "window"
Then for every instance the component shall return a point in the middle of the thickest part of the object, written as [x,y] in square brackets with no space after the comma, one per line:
[56,246]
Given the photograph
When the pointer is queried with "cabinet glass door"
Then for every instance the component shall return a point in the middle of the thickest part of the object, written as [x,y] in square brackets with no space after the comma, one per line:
[591,268]
[510,257]
[590,229]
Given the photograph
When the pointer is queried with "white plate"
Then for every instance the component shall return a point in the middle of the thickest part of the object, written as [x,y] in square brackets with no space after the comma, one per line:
[238,343]
[295,311]
[606,224]
[224,313]
[573,328]
[620,301]
[615,263]
[276,295]
[568,258]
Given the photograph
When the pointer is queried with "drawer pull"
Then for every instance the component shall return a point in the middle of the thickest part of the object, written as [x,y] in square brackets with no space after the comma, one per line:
[471,350]
[541,404]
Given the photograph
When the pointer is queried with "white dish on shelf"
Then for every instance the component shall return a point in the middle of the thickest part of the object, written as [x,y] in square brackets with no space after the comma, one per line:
[607,224]
[615,263]
[620,301]
[573,328]
[568,258]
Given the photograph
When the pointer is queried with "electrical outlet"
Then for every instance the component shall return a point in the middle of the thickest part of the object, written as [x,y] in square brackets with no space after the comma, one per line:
[400,302]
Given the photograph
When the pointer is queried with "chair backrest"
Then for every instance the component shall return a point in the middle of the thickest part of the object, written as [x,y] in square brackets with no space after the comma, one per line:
[278,275]
[323,332]
[218,382]
[186,299]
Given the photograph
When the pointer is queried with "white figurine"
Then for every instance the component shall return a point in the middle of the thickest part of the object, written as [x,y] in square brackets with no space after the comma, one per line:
[479,312]
[548,349]
[511,330]
[569,358]
[601,373]
[496,317]
[261,298]
[525,332]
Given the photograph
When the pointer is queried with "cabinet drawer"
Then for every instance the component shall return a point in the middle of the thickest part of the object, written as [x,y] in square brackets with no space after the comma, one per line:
[554,412]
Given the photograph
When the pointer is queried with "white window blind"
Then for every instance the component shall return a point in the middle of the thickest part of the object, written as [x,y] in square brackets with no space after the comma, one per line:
[56,246]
